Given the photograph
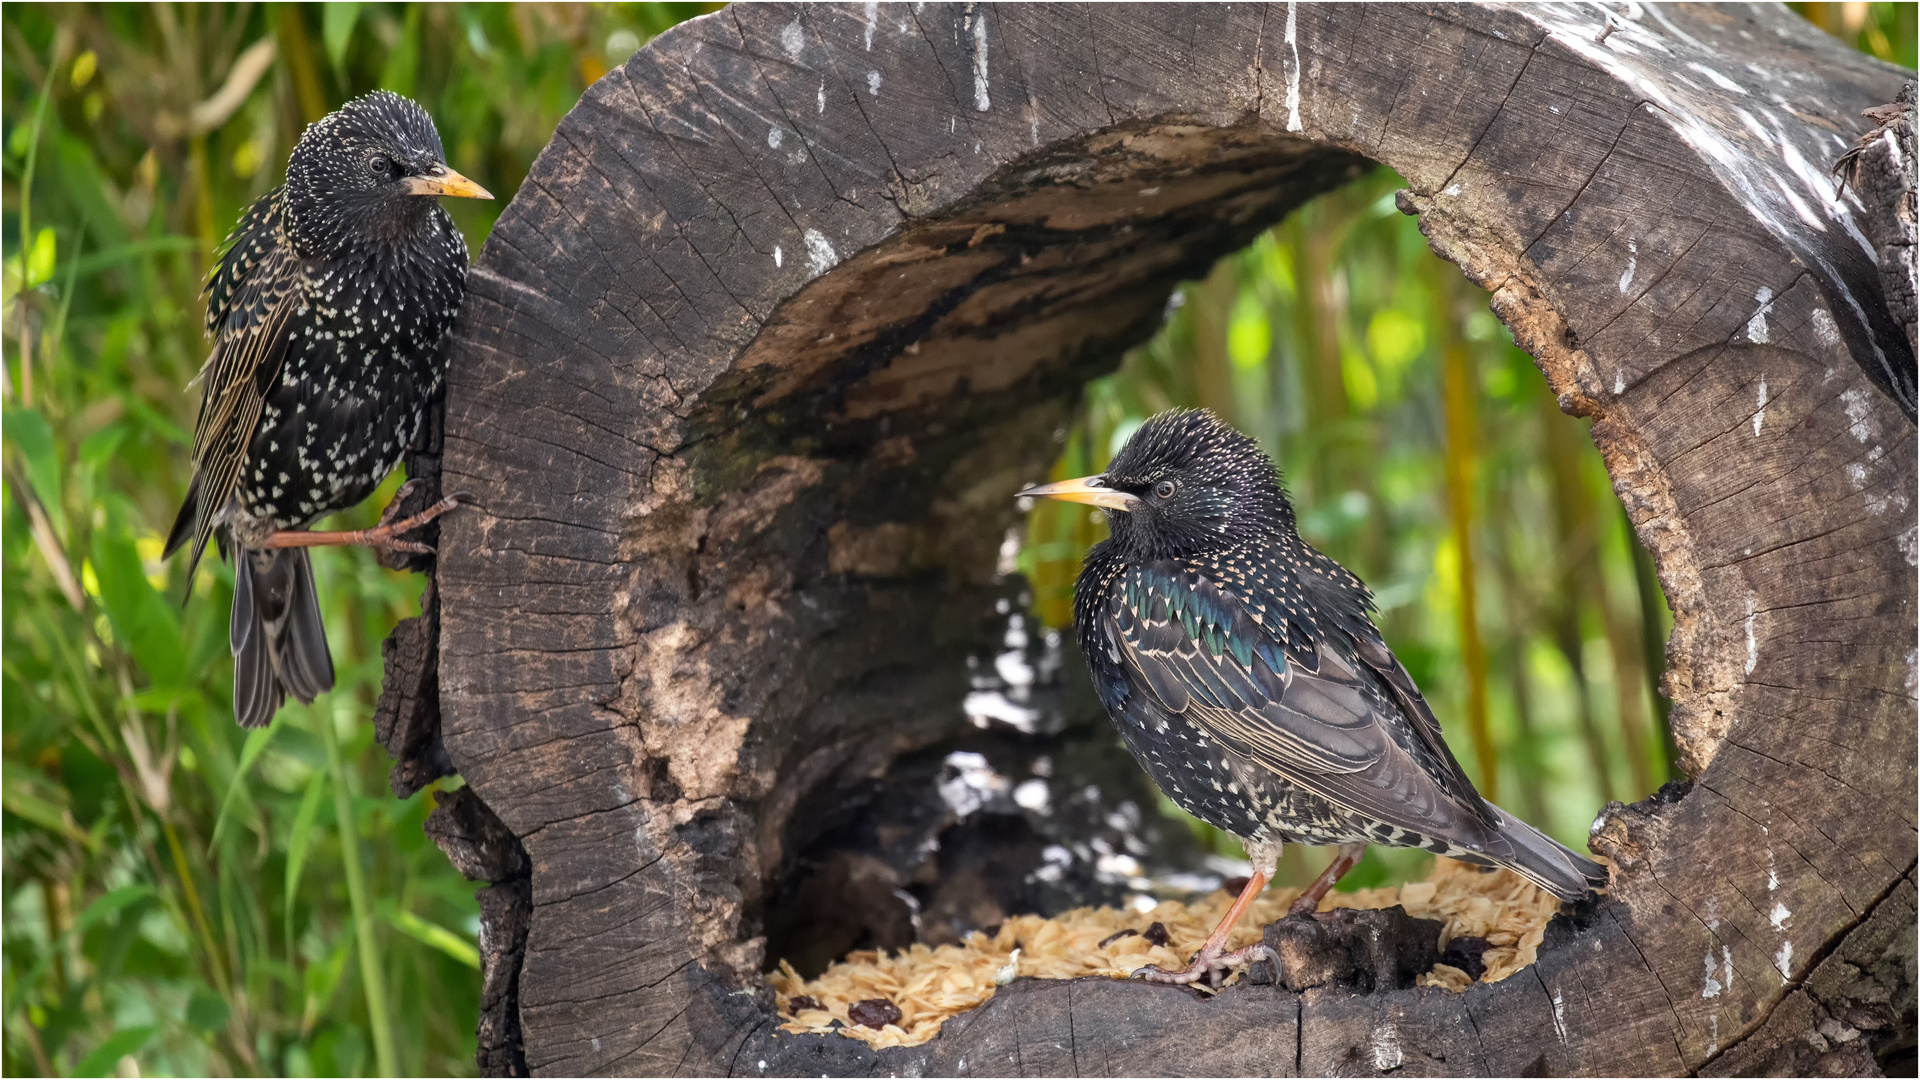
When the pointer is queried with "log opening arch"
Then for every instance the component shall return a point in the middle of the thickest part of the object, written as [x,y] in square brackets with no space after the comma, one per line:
[799,295]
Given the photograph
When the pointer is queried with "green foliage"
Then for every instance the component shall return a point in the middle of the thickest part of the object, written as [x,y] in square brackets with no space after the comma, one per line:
[1882,30]
[179,892]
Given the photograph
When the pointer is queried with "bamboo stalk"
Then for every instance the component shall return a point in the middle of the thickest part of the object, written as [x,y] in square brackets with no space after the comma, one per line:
[1528,768]
[1576,541]
[1459,388]
[296,48]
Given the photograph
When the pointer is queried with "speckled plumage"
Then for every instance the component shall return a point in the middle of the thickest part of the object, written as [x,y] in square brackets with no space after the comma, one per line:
[1244,671]
[328,308]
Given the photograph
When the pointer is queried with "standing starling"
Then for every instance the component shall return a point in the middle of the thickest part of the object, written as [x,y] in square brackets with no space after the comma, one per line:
[327,308]
[1244,671]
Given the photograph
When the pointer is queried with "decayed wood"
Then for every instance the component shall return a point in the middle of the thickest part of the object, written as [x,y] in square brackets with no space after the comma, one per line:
[1880,167]
[482,848]
[799,296]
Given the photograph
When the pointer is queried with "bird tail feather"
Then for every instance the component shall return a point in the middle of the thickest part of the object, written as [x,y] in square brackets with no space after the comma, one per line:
[279,644]
[1543,860]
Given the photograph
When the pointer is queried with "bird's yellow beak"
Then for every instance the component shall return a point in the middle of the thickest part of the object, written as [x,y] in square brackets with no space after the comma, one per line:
[1087,489]
[444,181]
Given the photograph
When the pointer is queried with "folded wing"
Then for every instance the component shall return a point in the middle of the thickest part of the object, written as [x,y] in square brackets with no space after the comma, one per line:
[1336,716]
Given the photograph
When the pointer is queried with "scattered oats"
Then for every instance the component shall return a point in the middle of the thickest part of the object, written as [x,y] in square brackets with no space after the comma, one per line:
[929,985]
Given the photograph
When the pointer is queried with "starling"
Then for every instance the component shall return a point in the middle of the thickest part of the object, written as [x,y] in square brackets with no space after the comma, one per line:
[327,307]
[1244,671]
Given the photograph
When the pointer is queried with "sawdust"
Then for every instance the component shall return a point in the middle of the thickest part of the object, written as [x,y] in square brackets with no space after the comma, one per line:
[928,985]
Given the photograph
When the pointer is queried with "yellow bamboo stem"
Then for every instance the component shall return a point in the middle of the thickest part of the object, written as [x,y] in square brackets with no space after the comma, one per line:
[1459,389]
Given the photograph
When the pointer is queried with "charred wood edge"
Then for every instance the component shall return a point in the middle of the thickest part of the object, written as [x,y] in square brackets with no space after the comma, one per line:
[406,720]
[481,847]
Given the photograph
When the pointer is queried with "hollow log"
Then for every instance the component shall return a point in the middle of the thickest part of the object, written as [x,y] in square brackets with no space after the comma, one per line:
[800,295]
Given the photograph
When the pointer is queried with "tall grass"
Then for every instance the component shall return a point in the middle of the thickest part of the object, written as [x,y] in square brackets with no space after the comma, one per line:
[181,896]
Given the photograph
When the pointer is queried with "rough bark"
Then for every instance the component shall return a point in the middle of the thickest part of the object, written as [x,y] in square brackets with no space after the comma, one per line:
[798,297]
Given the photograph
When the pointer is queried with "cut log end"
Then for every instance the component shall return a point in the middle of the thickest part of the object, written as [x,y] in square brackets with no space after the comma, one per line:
[746,379]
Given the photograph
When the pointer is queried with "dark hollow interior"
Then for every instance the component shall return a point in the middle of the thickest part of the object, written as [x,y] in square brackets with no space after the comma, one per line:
[925,380]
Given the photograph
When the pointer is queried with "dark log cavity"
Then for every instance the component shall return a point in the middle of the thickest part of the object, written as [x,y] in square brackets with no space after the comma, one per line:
[799,296]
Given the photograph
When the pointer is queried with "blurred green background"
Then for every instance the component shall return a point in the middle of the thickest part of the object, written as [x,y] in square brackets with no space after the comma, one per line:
[182,897]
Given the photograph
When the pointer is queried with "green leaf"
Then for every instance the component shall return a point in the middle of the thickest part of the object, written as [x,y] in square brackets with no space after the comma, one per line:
[109,904]
[206,1012]
[106,1057]
[29,793]
[142,619]
[98,447]
[41,258]
[28,431]
[323,978]
[435,936]
[337,21]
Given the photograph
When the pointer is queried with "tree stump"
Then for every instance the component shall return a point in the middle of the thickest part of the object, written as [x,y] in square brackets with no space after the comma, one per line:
[799,296]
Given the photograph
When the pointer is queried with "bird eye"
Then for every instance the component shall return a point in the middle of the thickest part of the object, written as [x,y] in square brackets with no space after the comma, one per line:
[1165,489]
[379,166]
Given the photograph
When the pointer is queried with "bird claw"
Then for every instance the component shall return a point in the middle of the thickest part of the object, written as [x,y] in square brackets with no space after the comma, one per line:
[399,499]
[1210,970]
[386,535]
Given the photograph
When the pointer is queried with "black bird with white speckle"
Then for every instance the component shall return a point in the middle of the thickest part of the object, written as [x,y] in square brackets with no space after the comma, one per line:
[1244,671]
[328,308]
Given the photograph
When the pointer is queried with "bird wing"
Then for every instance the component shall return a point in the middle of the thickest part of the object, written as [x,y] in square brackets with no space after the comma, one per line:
[1322,716]
[256,290]
[249,243]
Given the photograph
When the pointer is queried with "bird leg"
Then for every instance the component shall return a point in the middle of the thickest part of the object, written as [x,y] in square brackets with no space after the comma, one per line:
[386,535]
[1213,957]
[1344,860]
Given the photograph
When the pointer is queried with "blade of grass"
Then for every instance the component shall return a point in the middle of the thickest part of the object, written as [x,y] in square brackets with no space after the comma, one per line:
[297,841]
[434,936]
[373,979]
[25,214]
[111,257]
[257,741]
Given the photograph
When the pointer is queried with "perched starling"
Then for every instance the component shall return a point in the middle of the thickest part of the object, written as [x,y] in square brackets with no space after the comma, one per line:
[327,308]
[1244,671]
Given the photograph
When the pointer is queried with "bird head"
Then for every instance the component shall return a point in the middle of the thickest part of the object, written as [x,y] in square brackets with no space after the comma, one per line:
[359,174]
[1184,484]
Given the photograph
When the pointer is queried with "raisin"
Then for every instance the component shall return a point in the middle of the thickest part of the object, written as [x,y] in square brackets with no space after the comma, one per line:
[800,1001]
[1235,885]
[1157,933]
[874,1013]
